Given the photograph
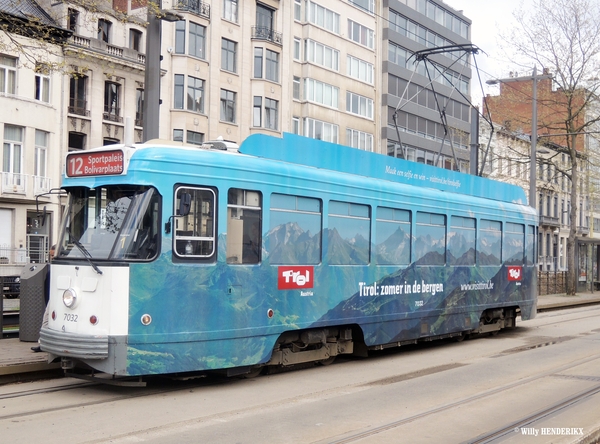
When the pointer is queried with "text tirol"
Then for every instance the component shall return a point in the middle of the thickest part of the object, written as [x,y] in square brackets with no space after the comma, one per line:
[100,163]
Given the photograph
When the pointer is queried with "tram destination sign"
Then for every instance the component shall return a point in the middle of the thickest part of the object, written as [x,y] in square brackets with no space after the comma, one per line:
[97,163]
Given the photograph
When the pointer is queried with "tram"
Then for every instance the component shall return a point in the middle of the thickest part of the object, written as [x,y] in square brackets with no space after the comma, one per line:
[285,250]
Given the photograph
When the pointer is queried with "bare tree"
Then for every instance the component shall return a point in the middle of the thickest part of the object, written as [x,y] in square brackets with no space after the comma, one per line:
[563,37]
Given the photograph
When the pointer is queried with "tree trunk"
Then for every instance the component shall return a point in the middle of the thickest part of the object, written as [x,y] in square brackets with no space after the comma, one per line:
[572,239]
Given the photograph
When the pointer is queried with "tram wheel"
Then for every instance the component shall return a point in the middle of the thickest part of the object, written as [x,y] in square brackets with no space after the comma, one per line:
[327,361]
[253,373]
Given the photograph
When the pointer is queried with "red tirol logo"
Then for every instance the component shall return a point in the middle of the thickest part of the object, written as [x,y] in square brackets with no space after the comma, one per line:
[292,278]
[515,273]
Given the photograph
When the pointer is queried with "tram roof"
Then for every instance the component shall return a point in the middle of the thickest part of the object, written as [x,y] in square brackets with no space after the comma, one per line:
[315,153]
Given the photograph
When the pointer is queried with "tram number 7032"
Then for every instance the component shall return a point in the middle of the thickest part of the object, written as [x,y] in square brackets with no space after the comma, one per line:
[70,317]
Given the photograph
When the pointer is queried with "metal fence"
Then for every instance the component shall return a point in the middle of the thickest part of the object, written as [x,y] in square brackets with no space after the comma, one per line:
[552,282]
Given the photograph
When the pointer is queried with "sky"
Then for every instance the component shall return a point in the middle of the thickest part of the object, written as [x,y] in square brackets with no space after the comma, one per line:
[488,18]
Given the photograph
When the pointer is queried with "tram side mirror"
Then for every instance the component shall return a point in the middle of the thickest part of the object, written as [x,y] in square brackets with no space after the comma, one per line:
[185,203]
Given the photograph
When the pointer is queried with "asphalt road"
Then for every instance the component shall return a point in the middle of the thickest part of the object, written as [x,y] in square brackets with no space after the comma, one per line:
[538,383]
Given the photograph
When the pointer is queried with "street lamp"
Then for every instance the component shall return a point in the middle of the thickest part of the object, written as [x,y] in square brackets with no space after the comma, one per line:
[532,169]
[151,105]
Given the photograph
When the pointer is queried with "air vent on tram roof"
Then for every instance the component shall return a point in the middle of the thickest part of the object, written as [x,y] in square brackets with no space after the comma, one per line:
[220,144]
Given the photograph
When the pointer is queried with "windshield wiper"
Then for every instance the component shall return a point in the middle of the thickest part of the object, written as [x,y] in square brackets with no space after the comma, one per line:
[84,251]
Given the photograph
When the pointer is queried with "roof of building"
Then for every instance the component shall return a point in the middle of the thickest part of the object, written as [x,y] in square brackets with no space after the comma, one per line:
[27,10]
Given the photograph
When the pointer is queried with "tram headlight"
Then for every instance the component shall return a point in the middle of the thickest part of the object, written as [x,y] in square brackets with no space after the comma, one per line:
[70,298]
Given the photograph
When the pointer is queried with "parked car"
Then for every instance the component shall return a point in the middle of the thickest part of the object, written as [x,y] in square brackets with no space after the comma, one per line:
[11,286]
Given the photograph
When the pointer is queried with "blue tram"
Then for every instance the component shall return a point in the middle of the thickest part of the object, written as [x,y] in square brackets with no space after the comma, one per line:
[176,259]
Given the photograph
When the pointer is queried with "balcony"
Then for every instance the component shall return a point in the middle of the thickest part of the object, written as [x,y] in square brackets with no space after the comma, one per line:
[583,231]
[548,221]
[112,115]
[79,107]
[100,46]
[263,33]
[195,6]
[21,184]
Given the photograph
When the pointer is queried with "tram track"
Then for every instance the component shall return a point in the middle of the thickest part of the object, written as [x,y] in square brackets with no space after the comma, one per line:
[131,393]
[565,403]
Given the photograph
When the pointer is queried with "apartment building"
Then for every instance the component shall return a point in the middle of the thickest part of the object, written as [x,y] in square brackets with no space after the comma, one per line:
[508,160]
[232,69]
[417,96]
[30,123]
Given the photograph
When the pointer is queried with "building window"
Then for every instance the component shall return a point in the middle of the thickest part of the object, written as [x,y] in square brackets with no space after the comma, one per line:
[297,10]
[323,17]
[319,92]
[72,19]
[195,97]
[272,66]
[8,75]
[227,106]
[258,63]
[359,105]
[271,114]
[296,88]
[42,85]
[264,18]
[361,34]
[180,37]
[297,46]
[104,30]
[359,69]
[76,141]
[139,107]
[197,40]
[78,95]
[12,155]
[257,111]
[322,55]
[195,138]
[228,55]
[135,39]
[178,135]
[112,108]
[296,125]
[230,10]
[178,89]
[366,5]
[41,147]
[320,130]
[359,139]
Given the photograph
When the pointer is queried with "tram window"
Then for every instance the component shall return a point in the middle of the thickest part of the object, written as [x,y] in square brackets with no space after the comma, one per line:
[514,243]
[392,243]
[195,231]
[349,235]
[430,239]
[296,224]
[490,242]
[530,248]
[244,226]
[461,241]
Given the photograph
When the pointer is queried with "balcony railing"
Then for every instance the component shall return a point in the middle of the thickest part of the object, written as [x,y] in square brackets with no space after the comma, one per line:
[101,46]
[549,221]
[264,33]
[41,184]
[112,115]
[14,183]
[196,6]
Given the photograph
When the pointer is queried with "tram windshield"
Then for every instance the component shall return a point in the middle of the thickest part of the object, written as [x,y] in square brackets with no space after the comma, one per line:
[112,222]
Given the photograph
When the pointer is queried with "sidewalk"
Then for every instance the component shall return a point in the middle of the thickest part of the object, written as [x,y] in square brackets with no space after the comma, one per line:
[19,363]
